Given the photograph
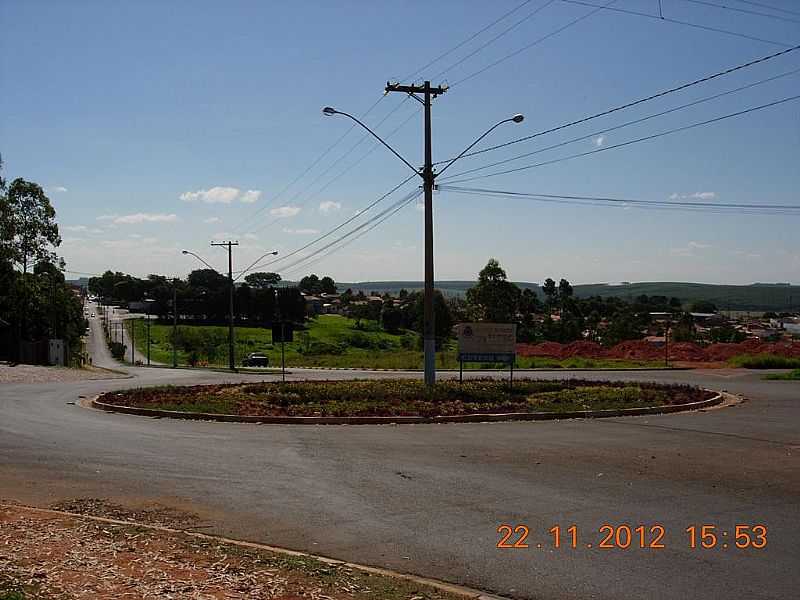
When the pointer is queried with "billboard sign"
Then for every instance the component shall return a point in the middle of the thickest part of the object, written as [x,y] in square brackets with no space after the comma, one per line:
[487,342]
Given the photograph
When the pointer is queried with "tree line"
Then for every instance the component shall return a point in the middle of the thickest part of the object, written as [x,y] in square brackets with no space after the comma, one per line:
[35,301]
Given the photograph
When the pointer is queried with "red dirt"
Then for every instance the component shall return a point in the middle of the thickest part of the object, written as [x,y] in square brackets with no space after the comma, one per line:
[641,350]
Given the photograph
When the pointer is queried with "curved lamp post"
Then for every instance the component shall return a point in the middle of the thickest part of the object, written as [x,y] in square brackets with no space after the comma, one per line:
[428,177]
[231,356]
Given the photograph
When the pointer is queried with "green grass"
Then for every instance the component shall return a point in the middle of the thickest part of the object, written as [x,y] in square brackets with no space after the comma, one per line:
[793,376]
[334,341]
[393,397]
[764,361]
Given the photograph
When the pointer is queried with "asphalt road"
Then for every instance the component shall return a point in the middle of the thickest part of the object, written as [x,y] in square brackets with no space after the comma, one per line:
[428,498]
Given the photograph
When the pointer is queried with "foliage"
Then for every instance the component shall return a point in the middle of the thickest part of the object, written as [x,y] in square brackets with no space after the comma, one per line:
[703,306]
[493,297]
[261,280]
[28,228]
[764,361]
[793,376]
[407,397]
[312,284]
[727,335]
[118,350]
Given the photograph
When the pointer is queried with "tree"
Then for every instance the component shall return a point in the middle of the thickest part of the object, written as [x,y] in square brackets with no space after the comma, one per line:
[443,320]
[550,292]
[262,280]
[391,318]
[327,285]
[703,306]
[28,229]
[495,298]
[310,284]
[529,302]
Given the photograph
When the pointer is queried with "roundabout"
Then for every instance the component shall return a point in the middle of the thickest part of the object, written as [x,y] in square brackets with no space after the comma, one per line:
[391,401]
[428,500]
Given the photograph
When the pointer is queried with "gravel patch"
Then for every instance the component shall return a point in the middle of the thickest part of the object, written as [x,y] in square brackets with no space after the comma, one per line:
[40,374]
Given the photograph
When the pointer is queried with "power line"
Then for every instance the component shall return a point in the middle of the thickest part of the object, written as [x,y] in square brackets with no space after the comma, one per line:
[319,158]
[742,10]
[622,125]
[466,41]
[534,43]
[305,171]
[404,200]
[634,141]
[358,213]
[632,103]
[679,22]
[717,207]
[764,5]
[495,38]
[359,236]
[343,172]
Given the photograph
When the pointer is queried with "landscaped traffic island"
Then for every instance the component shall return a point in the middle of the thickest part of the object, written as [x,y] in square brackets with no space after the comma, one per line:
[388,399]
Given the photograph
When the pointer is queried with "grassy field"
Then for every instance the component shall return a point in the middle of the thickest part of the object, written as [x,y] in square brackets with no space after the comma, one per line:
[764,361]
[793,376]
[394,397]
[334,341]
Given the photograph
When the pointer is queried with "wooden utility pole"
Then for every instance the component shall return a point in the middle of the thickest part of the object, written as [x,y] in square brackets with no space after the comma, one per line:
[231,354]
[428,177]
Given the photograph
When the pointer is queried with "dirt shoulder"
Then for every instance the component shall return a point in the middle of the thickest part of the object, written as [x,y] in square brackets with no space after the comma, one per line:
[47,555]
[40,374]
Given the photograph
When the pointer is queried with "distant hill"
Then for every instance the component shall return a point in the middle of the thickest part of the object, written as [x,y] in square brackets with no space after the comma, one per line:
[755,297]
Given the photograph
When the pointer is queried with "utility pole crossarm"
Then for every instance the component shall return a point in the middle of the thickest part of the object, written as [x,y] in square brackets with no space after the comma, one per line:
[415,89]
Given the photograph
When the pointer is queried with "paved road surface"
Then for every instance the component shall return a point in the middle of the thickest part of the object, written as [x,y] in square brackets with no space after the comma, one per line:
[429,498]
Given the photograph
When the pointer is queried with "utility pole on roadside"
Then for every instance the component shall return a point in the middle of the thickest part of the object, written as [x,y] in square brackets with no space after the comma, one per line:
[229,245]
[428,178]
[429,327]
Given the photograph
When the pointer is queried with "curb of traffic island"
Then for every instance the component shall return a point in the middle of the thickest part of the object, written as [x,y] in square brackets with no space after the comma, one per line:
[443,586]
[516,370]
[470,418]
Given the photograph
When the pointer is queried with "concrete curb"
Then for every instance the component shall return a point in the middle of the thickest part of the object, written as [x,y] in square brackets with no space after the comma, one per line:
[443,586]
[516,370]
[470,418]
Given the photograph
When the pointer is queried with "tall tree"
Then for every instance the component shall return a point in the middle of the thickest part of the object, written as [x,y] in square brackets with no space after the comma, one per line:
[262,280]
[327,285]
[28,228]
[550,292]
[309,284]
[494,297]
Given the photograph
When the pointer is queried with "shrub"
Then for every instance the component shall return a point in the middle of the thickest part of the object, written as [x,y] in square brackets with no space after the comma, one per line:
[118,350]
[764,361]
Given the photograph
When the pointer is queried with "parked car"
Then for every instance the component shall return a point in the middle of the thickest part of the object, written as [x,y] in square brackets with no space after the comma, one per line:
[255,359]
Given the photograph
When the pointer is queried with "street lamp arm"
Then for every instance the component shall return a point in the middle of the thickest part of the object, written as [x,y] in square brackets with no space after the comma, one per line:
[252,264]
[516,119]
[200,259]
[332,111]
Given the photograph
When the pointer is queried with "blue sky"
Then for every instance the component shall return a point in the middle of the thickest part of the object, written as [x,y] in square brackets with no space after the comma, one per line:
[157,126]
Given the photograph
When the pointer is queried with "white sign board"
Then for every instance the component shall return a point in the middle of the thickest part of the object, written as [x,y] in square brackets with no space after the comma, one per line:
[487,342]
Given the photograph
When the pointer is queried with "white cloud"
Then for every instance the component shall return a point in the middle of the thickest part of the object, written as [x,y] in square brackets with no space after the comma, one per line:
[215,195]
[60,189]
[284,211]
[250,236]
[136,218]
[689,249]
[598,141]
[250,196]
[698,245]
[106,217]
[694,196]
[95,230]
[301,231]
[75,228]
[212,220]
[329,206]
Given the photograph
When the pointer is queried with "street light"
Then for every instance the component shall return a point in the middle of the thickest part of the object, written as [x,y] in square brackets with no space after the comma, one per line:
[231,357]
[428,177]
